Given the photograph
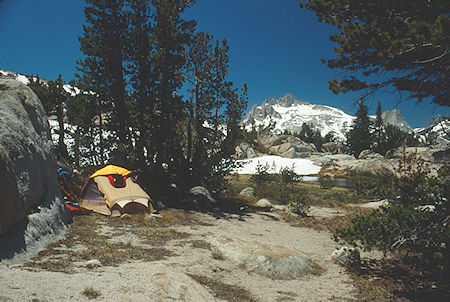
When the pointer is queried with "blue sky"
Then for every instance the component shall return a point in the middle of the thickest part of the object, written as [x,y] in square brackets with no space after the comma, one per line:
[275,48]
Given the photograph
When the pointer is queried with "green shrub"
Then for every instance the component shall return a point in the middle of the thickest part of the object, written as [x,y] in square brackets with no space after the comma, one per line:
[288,176]
[374,185]
[283,193]
[261,175]
[299,205]
[326,181]
[416,219]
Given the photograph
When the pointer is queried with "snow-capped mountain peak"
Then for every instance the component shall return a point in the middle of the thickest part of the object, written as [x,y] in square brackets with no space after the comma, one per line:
[289,113]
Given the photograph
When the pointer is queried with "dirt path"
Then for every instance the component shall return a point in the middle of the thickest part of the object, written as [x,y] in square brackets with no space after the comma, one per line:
[191,255]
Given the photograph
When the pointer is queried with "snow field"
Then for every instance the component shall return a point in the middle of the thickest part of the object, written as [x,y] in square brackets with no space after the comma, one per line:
[276,163]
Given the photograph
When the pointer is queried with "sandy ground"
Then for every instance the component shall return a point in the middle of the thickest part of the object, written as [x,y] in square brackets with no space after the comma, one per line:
[130,281]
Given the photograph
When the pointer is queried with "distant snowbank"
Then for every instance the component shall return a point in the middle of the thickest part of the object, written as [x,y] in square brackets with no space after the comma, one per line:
[276,163]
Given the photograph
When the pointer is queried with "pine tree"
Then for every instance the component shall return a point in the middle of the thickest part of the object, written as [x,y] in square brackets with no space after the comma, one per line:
[171,35]
[82,112]
[389,44]
[215,109]
[43,92]
[142,77]
[199,78]
[359,138]
[102,69]
[53,97]
[310,135]
[379,135]
[60,96]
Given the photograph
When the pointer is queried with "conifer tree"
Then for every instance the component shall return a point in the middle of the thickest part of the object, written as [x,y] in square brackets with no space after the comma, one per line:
[82,114]
[198,76]
[215,109]
[171,35]
[60,96]
[53,97]
[379,133]
[359,138]
[142,77]
[102,69]
[389,44]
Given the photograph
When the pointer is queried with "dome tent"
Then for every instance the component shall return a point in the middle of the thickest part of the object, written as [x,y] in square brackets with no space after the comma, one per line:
[111,191]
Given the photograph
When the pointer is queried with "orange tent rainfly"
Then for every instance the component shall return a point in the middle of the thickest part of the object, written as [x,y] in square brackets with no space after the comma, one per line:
[111,191]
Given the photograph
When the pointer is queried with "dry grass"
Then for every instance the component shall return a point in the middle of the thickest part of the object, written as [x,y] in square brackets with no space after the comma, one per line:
[85,241]
[316,269]
[91,293]
[232,293]
[394,280]
[320,224]
[314,194]
[286,296]
[201,244]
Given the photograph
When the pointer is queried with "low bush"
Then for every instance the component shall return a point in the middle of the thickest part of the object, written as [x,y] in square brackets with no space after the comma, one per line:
[326,181]
[299,205]
[416,218]
[374,185]
[261,175]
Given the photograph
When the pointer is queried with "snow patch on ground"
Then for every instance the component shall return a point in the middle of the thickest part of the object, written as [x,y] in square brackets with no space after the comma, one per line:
[276,163]
[23,79]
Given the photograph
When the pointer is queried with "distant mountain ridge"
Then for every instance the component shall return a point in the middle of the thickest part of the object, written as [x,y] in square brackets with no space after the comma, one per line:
[289,113]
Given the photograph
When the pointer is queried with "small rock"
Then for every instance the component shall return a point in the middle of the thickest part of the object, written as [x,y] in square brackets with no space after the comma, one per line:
[149,218]
[263,203]
[247,192]
[279,207]
[346,256]
[125,216]
[93,263]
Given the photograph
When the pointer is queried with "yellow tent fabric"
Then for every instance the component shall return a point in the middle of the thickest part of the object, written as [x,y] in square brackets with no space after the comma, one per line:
[103,198]
[100,196]
[110,170]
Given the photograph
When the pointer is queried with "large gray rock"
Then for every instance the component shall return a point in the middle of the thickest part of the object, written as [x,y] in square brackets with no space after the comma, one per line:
[271,261]
[263,203]
[373,166]
[346,256]
[201,197]
[244,151]
[28,181]
[247,192]
[332,147]
[267,139]
[285,145]
[369,154]
[137,282]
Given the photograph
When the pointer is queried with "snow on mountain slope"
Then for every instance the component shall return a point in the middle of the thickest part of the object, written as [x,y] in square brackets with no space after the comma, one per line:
[437,134]
[289,113]
[73,91]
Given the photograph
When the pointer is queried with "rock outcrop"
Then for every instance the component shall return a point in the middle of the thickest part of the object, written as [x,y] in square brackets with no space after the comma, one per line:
[247,192]
[271,261]
[284,145]
[27,170]
[244,151]
[346,256]
[201,197]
